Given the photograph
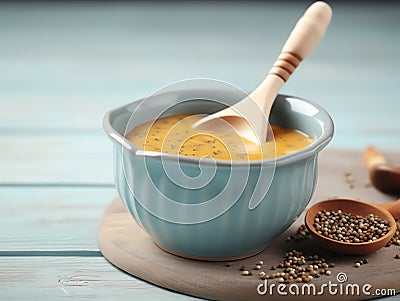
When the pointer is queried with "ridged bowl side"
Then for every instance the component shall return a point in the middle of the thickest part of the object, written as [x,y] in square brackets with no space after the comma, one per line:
[237,232]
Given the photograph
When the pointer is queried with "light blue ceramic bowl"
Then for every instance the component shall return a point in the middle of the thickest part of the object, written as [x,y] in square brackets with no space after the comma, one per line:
[231,213]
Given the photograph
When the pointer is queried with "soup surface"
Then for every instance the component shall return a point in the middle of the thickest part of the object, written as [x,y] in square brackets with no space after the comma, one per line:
[174,134]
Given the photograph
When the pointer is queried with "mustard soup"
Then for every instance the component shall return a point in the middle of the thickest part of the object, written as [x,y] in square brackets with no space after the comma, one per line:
[174,135]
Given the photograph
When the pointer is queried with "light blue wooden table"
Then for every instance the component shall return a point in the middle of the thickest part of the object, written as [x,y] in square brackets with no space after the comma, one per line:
[63,65]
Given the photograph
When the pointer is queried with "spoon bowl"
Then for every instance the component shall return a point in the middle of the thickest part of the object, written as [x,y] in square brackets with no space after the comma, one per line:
[355,207]
[384,176]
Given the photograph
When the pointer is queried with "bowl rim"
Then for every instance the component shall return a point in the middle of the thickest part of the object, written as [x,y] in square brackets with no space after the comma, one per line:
[310,150]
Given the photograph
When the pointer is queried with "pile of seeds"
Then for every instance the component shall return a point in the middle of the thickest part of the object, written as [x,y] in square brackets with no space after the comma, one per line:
[301,233]
[297,267]
[294,267]
[345,227]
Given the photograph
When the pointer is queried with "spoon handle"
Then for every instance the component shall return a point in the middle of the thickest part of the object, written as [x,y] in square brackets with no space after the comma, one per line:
[372,157]
[306,34]
[304,37]
[393,208]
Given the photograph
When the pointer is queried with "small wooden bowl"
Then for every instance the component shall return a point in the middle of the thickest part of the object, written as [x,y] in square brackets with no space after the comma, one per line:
[354,207]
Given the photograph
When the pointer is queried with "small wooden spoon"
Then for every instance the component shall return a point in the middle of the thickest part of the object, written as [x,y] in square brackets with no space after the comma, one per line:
[385,177]
[242,117]
[355,207]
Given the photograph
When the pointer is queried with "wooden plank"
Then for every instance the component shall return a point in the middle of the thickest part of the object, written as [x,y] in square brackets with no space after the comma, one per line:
[70,87]
[80,278]
[51,219]
[69,158]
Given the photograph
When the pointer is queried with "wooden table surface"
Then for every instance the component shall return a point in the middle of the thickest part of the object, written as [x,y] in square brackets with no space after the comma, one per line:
[63,65]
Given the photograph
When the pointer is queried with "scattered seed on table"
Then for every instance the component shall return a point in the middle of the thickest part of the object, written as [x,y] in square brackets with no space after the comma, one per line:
[260,262]
[397,256]
[242,268]
[257,267]
[301,233]
[357,265]
[348,176]
[328,272]
[228,264]
[365,260]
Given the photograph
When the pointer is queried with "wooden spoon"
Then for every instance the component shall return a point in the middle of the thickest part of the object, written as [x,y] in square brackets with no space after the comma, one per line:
[242,117]
[385,177]
[384,211]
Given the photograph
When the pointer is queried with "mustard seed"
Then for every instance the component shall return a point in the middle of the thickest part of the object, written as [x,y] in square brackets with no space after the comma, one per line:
[297,267]
[345,227]
[301,233]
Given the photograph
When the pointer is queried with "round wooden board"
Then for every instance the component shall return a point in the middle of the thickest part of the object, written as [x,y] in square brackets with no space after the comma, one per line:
[129,248]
